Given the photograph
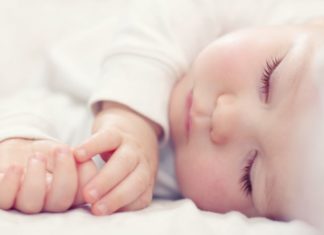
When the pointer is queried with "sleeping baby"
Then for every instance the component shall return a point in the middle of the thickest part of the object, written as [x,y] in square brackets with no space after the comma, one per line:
[245,124]
[251,114]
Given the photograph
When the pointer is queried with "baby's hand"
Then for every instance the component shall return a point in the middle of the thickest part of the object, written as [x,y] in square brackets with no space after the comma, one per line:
[128,142]
[40,175]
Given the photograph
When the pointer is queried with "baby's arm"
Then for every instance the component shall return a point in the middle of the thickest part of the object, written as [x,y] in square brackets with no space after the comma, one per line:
[129,144]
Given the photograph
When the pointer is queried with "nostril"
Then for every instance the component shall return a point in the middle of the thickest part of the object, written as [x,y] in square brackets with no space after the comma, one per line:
[225,98]
[217,137]
[223,119]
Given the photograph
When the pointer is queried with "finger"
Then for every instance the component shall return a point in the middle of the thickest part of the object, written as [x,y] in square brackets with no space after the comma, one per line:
[31,195]
[125,193]
[121,164]
[49,181]
[141,202]
[86,172]
[47,148]
[9,186]
[100,142]
[64,184]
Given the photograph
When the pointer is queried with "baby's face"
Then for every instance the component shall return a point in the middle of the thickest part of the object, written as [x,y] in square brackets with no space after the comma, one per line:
[241,121]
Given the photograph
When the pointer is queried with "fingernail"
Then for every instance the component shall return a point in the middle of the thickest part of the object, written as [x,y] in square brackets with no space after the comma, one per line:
[62,152]
[102,209]
[35,160]
[39,157]
[49,178]
[81,153]
[93,195]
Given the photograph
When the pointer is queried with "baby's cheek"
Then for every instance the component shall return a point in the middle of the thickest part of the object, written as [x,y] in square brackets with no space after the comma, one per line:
[184,173]
[191,177]
[260,196]
[268,194]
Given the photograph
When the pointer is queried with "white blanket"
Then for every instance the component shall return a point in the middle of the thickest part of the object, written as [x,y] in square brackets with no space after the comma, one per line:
[162,217]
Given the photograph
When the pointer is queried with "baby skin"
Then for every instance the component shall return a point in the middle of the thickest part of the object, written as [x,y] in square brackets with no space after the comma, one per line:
[251,105]
[44,176]
[40,175]
[128,142]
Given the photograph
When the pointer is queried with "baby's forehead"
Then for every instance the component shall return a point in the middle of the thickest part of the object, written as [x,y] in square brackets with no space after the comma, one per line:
[238,44]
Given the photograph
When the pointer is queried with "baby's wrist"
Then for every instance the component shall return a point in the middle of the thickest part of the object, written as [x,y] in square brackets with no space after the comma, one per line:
[113,109]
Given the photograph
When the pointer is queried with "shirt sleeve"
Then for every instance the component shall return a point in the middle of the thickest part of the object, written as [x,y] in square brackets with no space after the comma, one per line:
[39,114]
[153,45]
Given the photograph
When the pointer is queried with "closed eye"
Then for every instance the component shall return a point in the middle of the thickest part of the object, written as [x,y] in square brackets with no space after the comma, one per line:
[246,183]
[265,87]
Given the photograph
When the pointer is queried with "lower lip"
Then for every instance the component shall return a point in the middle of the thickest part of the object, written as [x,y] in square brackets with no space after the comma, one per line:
[188,110]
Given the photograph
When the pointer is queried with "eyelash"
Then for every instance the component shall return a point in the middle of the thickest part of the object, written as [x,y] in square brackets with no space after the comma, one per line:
[266,76]
[246,176]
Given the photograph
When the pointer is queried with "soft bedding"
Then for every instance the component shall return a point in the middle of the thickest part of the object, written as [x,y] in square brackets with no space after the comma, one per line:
[162,217]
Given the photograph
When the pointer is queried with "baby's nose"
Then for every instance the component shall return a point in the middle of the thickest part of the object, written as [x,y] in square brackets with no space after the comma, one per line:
[225,119]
